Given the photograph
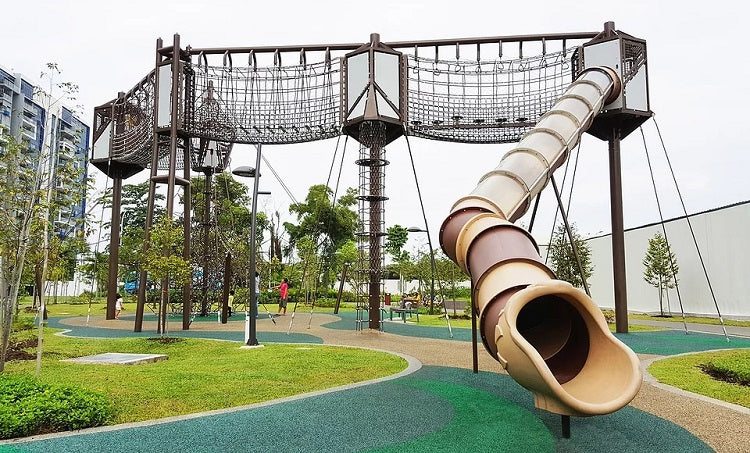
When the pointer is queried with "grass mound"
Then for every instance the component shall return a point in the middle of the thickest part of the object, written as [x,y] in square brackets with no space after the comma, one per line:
[29,407]
[686,372]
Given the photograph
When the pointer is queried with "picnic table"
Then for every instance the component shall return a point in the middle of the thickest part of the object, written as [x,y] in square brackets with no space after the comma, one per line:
[407,305]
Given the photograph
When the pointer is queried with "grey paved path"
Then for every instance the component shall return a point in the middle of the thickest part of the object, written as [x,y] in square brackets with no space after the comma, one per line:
[677,324]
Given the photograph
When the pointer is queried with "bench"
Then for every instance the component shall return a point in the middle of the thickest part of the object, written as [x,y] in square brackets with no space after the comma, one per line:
[406,306]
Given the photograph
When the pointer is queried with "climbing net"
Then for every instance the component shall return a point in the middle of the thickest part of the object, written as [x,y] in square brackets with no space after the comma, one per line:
[483,101]
[132,138]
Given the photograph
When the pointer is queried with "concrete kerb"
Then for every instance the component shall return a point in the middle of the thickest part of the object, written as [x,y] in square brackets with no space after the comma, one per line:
[413,365]
[651,380]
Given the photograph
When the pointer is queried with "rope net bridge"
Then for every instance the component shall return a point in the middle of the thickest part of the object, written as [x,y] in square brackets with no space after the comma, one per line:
[490,97]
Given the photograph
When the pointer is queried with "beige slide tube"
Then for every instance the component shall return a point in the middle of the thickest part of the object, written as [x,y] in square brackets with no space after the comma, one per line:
[549,336]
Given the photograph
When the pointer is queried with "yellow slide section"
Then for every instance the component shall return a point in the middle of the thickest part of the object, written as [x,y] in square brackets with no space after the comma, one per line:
[549,336]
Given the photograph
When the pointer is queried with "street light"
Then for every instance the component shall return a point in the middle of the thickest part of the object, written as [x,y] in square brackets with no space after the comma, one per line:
[432,263]
[251,313]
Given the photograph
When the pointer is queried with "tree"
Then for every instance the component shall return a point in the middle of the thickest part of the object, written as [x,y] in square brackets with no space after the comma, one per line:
[164,262]
[396,237]
[95,270]
[563,260]
[19,209]
[30,198]
[134,206]
[661,267]
[347,255]
[450,274]
[328,224]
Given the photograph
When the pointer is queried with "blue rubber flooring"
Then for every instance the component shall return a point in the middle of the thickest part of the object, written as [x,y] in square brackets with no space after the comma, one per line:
[263,336]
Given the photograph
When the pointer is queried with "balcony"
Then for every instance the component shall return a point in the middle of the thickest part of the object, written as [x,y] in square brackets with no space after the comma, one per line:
[68,133]
[66,148]
[28,136]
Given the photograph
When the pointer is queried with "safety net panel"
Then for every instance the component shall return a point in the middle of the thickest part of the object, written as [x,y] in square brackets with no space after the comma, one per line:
[483,101]
[277,104]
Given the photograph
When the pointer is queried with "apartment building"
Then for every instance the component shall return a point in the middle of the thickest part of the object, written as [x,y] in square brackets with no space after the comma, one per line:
[23,115]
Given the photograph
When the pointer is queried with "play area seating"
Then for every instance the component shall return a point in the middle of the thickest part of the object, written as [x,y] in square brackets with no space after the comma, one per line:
[406,306]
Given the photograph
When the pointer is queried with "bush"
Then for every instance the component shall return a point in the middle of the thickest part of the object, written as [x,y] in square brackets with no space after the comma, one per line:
[326,302]
[29,407]
[83,298]
[609,315]
[459,293]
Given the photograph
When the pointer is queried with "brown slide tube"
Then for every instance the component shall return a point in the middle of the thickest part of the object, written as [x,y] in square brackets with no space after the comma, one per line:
[549,336]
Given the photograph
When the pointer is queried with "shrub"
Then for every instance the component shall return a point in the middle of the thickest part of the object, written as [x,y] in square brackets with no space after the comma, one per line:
[83,298]
[22,323]
[326,302]
[29,407]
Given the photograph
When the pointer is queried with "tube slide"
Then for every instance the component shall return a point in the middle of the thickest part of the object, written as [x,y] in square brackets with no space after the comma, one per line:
[549,336]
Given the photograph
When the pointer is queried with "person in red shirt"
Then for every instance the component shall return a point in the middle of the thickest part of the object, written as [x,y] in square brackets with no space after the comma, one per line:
[283,295]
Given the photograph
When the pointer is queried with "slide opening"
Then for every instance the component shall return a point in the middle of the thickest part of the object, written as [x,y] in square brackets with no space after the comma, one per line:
[555,328]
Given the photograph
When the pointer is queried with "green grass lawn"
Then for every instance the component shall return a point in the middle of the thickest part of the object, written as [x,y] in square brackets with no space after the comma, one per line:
[683,372]
[203,375]
[690,319]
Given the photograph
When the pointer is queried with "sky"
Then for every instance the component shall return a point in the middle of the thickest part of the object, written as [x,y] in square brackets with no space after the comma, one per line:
[697,80]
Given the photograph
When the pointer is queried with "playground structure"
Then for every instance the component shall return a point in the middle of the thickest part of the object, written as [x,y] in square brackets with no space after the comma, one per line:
[549,336]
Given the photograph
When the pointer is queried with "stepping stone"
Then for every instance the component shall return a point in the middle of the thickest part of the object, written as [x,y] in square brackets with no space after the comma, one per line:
[118,358]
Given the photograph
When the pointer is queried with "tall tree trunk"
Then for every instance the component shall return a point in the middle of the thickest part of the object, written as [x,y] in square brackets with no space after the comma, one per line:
[661,295]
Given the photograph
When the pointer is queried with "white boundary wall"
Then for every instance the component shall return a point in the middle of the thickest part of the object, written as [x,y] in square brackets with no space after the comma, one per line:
[723,236]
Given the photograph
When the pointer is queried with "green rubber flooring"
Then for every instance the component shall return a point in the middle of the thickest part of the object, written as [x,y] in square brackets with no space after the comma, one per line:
[435,409]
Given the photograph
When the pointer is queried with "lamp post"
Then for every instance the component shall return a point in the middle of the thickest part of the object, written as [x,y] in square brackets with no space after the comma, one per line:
[252,312]
[432,264]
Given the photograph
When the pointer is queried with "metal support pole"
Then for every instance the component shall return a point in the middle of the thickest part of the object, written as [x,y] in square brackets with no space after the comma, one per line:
[226,289]
[114,246]
[186,230]
[206,241]
[172,172]
[143,277]
[432,276]
[252,311]
[618,233]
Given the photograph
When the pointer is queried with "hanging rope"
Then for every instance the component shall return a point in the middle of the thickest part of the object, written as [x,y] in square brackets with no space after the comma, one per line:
[692,233]
[427,230]
[562,187]
[341,166]
[328,225]
[663,229]
[281,182]
[333,161]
